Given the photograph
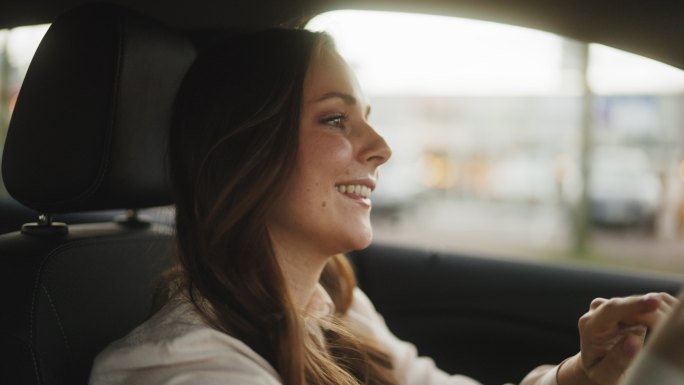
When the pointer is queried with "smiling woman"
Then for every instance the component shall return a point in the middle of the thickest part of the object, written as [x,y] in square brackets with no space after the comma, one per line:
[260,150]
[273,163]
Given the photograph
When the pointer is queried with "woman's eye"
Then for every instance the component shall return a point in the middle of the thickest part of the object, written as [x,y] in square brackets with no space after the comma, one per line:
[336,120]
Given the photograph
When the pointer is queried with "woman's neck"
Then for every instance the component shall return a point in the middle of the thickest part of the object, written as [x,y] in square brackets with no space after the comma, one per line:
[301,270]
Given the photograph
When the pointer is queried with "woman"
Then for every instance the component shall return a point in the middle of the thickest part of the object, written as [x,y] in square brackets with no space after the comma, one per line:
[273,164]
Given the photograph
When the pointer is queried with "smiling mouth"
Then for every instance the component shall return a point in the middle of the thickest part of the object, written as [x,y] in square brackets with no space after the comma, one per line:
[355,190]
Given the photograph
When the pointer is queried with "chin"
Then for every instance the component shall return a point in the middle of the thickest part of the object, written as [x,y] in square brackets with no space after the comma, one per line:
[361,241]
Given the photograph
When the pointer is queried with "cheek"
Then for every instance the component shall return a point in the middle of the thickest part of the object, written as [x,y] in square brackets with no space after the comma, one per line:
[326,153]
[323,160]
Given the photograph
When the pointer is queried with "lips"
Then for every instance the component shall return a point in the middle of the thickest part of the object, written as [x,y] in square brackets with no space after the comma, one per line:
[355,189]
[359,190]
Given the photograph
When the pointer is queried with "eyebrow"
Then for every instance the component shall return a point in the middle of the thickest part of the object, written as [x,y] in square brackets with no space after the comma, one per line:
[349,99]
[346,98]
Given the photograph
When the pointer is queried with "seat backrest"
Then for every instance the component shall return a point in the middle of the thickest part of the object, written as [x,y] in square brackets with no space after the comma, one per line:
[88,133]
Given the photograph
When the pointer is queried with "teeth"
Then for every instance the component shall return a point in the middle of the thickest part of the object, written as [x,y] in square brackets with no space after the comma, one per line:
[357,189]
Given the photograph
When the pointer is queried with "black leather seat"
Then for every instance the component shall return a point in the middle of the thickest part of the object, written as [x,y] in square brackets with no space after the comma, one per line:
[88,133]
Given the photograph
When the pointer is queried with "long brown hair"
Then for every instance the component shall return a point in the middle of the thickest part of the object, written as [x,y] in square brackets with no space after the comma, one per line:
[233,146]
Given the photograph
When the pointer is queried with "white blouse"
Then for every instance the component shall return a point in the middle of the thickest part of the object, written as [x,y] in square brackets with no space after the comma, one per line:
[176,347]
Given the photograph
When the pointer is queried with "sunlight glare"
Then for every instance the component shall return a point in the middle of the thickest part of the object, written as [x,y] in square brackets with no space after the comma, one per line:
[396,53]
[414,54]
[23,42]
[613,71]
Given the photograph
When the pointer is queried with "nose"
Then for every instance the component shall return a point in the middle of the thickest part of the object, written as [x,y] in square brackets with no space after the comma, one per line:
[375,149]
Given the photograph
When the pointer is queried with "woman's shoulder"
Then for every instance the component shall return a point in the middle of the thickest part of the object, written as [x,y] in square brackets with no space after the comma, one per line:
[175,319]
[174,344]
[362,307]
[363,316]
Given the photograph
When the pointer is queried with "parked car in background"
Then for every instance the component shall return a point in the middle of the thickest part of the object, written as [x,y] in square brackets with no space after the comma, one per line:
[624,188]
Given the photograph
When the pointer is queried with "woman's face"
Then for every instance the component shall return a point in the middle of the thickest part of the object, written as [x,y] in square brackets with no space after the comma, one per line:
[326,207]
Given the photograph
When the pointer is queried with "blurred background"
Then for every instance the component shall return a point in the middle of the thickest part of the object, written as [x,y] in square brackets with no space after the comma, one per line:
[508,142]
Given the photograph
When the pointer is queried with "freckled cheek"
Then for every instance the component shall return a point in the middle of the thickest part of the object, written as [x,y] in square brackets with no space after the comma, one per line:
[322,162]
[331,153]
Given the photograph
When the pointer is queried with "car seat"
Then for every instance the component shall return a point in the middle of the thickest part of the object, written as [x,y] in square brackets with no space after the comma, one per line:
[88,133]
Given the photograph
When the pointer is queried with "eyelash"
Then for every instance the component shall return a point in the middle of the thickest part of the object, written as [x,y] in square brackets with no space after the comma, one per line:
[331,118]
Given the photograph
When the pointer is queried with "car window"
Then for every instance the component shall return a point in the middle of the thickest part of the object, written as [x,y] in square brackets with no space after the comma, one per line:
[512,142]
[17,47]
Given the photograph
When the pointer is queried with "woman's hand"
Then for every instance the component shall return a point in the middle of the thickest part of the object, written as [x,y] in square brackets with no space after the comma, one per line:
[611,333]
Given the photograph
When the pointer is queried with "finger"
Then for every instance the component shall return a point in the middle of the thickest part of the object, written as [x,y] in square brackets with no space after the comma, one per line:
[613,365]
[650,319]
[631,346]
[626,309]
[669,299]
[637,330]
[597,302]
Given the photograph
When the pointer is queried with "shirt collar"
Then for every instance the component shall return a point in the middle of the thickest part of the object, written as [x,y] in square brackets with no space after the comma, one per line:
[320,305]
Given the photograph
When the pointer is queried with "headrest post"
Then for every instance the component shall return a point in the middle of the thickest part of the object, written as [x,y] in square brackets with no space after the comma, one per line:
[44,219]
[131,215]
[45,226]
[132,219]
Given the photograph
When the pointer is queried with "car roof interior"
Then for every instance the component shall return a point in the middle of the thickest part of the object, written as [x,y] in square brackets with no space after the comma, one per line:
[650,30]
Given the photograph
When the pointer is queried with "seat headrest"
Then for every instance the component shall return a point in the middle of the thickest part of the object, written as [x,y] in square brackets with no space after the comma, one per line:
[90,126]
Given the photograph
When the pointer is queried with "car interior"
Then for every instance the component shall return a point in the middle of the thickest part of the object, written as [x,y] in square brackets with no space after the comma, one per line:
[85,154]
